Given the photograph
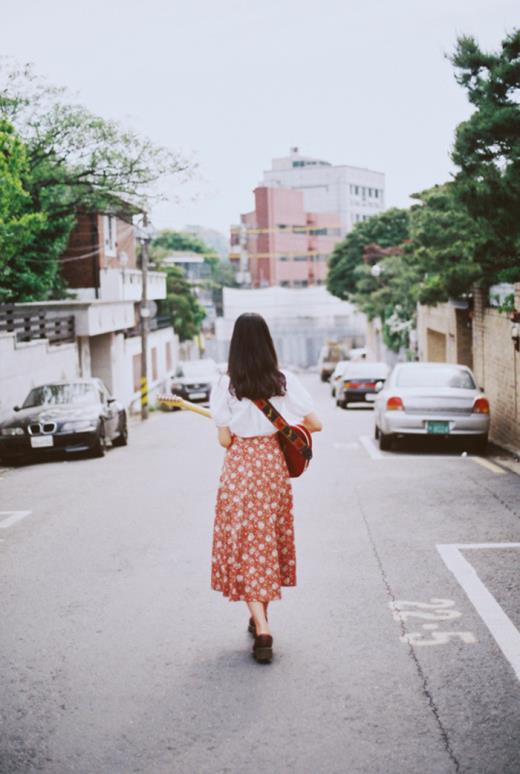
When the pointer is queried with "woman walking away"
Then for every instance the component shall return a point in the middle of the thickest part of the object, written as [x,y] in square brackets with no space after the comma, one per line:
[253,540]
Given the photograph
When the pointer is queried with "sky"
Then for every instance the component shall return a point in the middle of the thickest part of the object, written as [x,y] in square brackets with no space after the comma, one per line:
[234,83]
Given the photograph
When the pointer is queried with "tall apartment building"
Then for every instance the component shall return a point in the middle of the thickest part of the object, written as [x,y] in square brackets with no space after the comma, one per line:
[353,193]
[279,243]
[303,208]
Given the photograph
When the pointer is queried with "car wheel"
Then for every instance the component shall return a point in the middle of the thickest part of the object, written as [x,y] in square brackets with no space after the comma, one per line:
[340,403]
[333,391]
[122,438]
[385,441]
[376,432]
[99,448]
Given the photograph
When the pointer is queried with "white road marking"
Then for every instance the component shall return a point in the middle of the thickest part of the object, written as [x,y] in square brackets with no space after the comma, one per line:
[503,630]
[489,465]
[352,445]
[370,447]
[11,517]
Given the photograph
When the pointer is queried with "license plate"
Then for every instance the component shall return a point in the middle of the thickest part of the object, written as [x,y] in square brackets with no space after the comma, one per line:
[440,428]
[195,395]
[42,440]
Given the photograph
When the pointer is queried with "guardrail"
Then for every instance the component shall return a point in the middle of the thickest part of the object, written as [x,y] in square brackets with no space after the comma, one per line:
[37,324]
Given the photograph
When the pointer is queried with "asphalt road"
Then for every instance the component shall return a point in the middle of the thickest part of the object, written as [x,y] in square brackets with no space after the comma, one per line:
[392,655]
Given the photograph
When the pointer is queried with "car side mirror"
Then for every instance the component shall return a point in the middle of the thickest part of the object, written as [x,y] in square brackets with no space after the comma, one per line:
[111,400]
[16,408]
[379,386]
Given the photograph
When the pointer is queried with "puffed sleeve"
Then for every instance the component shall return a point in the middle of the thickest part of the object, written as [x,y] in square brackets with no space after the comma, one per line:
[298,399]
[219,402]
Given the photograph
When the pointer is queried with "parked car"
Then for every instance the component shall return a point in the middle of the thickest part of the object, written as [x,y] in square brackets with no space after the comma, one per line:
[330,354]
[336,376]
[436,399]
[194,378]
[74,416]
[360,381]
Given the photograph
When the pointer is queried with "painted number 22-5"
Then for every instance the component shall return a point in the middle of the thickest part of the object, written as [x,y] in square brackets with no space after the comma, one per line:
[434,612]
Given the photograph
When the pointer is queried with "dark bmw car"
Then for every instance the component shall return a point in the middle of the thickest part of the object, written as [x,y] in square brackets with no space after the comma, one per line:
[194,378]
[75,416]
[360,382]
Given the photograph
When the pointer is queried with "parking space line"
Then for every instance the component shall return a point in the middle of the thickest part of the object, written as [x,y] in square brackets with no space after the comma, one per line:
[489,465]
[370,447]
[504,632]
[12,517]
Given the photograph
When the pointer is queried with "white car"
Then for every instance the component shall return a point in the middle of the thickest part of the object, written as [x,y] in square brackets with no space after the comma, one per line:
[441,399]
[336,376]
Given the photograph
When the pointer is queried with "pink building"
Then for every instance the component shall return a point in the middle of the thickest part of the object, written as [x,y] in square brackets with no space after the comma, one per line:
[281,244]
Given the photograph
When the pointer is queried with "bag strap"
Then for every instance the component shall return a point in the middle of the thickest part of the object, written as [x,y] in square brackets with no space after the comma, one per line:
[283,427]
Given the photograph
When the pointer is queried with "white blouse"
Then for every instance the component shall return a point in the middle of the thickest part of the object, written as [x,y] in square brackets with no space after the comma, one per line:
[245,419]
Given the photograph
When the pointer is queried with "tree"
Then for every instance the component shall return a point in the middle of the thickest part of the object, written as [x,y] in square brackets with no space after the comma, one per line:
[181,304]
[487,153]
[25,230]
[444,242]
[77,161]
[387,229]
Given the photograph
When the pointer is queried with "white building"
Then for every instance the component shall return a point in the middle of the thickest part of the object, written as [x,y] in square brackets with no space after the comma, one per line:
[301,320]
[107,285]
[354,193]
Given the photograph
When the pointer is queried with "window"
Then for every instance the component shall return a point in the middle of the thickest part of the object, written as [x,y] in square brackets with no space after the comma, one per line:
[376,193]
[109,234]
[356,190]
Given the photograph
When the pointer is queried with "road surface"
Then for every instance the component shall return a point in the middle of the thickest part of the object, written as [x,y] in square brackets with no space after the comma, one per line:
[397,653]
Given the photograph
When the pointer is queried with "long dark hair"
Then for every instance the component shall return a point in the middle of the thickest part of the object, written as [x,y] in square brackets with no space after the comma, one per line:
[252,364]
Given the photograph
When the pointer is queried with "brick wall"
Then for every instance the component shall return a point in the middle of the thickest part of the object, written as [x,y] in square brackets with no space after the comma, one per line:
[497,369]
[80,261]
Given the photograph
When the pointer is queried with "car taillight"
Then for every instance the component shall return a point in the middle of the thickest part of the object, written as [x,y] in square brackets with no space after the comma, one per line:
[481,406]
[394,404]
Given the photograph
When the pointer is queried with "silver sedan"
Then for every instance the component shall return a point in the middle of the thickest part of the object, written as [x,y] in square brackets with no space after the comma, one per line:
[434,399]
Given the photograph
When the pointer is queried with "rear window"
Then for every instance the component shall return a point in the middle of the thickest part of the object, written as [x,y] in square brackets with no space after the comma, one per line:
[425,376]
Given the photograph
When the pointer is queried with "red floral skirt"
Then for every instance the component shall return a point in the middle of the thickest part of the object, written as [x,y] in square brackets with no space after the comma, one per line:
[253,538]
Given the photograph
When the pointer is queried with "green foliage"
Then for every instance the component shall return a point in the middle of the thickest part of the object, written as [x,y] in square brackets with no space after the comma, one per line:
[386,229]
[487,153]
[168,240]
[29,241]
[443,244]
[74,161]
[181,304]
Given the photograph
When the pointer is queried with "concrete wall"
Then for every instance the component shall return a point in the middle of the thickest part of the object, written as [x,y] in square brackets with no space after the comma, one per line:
[497,369]
[444,333]
[26,365]
[117,361]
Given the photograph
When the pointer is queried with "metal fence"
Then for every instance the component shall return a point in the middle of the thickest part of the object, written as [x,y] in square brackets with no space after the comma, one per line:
[36,324]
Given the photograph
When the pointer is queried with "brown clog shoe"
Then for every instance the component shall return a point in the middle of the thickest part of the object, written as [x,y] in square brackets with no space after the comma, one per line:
[263,649]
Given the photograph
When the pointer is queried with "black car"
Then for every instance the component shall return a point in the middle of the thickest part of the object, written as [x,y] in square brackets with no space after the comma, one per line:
[194,378]
[360,382]
[75,416]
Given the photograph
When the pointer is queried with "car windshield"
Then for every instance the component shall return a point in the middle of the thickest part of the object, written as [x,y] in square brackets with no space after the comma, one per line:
[364,369]
[58,394]
[442,376]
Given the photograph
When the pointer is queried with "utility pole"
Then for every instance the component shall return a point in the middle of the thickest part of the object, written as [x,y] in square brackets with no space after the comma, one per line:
[145,313]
